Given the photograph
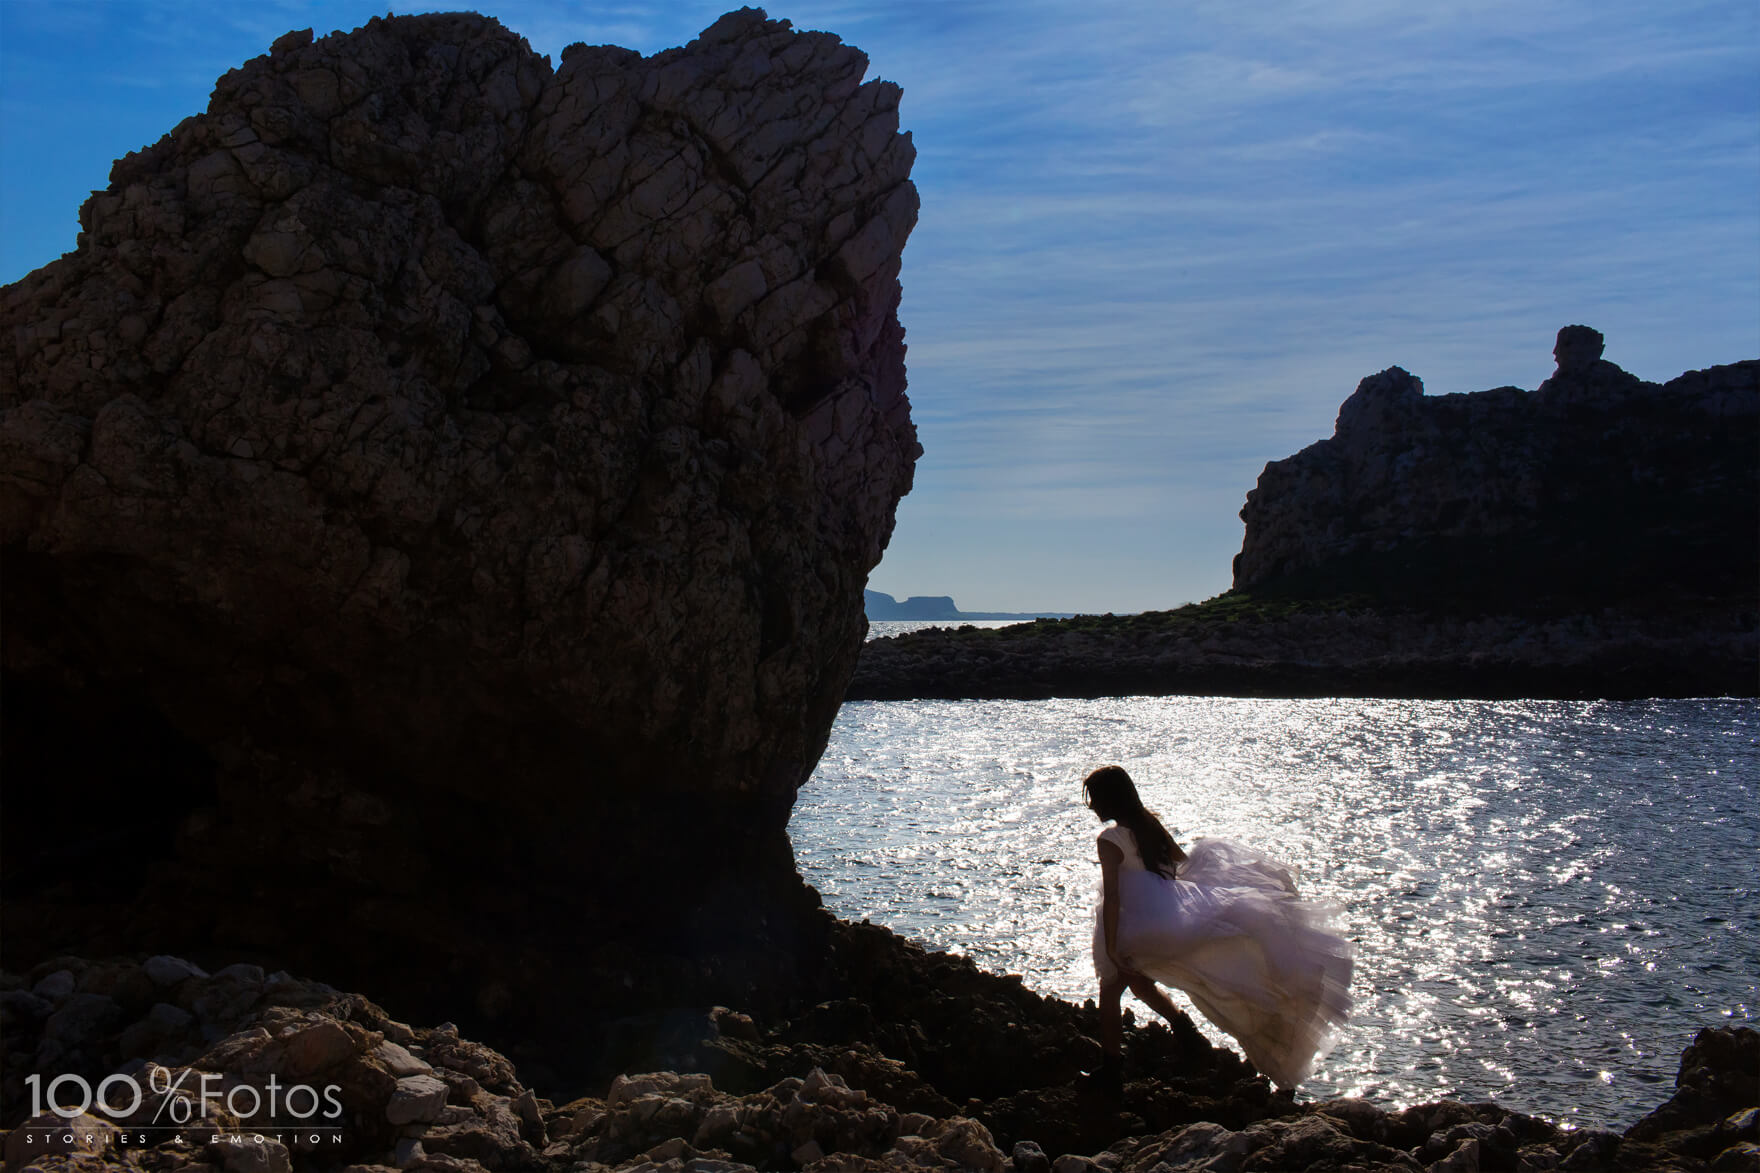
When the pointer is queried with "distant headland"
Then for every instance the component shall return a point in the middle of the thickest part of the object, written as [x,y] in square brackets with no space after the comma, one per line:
[881,606]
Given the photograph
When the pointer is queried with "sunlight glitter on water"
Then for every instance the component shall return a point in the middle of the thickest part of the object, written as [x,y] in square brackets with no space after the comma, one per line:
[1547,898]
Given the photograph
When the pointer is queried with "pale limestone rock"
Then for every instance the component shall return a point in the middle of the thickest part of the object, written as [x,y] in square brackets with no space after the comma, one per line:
[398,1061]
[418,1098]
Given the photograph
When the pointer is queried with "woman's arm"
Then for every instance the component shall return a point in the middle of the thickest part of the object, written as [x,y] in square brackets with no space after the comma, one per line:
[1111,855]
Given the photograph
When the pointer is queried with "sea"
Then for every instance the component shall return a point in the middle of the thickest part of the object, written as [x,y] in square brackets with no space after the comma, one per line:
[1548,899]
[883,628]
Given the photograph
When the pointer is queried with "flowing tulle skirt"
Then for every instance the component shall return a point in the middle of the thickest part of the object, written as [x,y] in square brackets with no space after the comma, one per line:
[1256,959]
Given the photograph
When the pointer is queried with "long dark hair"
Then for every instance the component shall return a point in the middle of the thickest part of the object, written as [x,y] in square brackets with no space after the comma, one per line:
[1112,795]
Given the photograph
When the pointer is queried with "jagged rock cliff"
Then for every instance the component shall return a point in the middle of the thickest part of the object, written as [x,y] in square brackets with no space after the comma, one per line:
[1597,489]
[436,498]
[1597,537]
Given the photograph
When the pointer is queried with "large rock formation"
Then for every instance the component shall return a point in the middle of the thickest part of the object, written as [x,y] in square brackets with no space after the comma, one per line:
[436,498]
[1598,489]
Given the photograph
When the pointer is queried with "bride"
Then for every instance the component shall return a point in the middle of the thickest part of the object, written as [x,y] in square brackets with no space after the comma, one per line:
[1223,923]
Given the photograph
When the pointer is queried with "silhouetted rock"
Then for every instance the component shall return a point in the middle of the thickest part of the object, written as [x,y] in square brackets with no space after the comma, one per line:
[436,498]
[884,606]
[1598,489]
[1716,1105]
[1598,537]
[1577,350]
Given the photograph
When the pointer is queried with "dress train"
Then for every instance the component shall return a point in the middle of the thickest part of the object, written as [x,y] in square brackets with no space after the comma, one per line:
[1256,958]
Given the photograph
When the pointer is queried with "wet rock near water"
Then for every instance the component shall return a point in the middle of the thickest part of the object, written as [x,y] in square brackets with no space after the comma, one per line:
[387,1095]
[1713,1111]
[440,486]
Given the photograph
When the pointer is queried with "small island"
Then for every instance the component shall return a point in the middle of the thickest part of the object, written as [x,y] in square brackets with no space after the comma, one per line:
[939,608]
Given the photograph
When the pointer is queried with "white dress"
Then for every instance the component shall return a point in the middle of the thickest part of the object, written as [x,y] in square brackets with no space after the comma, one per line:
[1257,959]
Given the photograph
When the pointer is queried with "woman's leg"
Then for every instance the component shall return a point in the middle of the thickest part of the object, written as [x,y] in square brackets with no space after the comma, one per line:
[1112,1016]
[1109,1078]
[1154,997]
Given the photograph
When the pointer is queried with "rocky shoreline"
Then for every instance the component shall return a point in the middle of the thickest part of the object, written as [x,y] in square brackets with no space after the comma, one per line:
[926,1063]
[1237,645]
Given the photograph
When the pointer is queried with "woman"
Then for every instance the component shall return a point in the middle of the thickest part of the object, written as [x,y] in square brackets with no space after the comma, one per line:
[1225,925]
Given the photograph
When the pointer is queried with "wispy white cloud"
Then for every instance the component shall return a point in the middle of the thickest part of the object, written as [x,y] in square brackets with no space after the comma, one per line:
[1161,242]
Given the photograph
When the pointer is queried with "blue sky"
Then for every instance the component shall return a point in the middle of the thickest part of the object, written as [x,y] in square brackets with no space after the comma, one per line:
[1160,241]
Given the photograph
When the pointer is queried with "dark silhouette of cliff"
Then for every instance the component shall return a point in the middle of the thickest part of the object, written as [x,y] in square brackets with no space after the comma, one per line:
[1596,490]
[1597,537]
[435,501]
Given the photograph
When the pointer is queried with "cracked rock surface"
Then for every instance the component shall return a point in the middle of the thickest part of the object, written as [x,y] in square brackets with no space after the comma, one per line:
[224,1054]
[436,497]
[1596,489]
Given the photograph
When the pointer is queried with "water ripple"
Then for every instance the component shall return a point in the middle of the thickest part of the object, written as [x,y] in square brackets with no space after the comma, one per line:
[1548,898]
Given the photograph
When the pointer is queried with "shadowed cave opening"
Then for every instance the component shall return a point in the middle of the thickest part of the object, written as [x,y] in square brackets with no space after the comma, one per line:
[99,786]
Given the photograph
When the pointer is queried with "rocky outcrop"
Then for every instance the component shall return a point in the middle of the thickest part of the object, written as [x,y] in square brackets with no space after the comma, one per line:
[1716,1104]
[1596,538]
[1241,645]
[228,1058]
[436,498]
[1597,489]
